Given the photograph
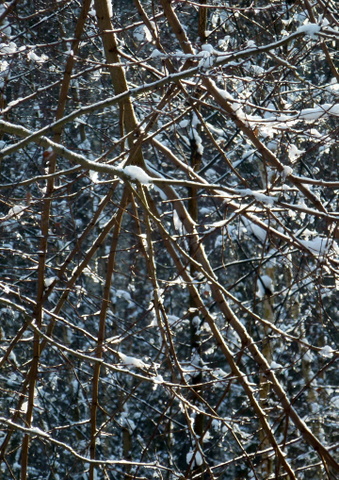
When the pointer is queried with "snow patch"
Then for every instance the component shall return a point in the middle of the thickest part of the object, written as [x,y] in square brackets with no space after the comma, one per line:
[8,48]
[142,34]
[294,153]
[16,211]
[208,56]
[287,171]
[132,361]
[137,174]
[320,111]
[310,29]
[254,229]
[319,245]
[326,351]
[49,280]
[265,286]
[158,379]
[36,58]
[261,197]
[178,225]
[126,296]
[275,365]
[156,54]
[194,458]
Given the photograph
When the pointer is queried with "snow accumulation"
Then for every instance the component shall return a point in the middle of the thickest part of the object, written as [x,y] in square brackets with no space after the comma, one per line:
[49,280]
[307,114]
[286,172]
[194,458]
[193,134]
[138,174]
[315,113]
[259,233]
[172,319]
[38,431]
[278,119]
[8,48]
[275,365]
[156,53]
[335,401]
[294,153]
[37,58]
[177,223]
[125,295]
[260,197]
[319,245]
[16,211]
[158,379]
[132,361]
[310,29]
[183,123]
[326,352]
[142,34]
[265,286]
[208,56]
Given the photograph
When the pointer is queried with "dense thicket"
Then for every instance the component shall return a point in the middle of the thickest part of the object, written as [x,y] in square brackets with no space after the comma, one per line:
[169,257]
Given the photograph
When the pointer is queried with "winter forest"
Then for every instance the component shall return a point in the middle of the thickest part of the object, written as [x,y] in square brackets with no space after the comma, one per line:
[169,241]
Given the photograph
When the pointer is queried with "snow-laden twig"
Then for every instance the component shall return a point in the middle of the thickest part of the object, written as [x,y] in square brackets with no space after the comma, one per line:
[152,86]
[35,431]
[129,173]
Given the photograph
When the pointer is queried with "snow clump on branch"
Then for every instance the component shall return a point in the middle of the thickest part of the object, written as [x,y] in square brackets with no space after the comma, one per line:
[310,29]
[137,174]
